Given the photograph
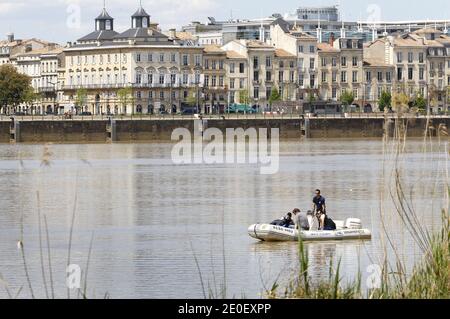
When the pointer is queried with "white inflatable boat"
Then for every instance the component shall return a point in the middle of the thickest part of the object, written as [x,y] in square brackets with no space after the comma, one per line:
[351,229]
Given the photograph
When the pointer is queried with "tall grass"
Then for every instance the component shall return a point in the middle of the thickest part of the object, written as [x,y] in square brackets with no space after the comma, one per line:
[45,252]
[430,276]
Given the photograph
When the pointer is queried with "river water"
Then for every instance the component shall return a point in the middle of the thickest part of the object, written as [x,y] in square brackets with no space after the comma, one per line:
[150,220]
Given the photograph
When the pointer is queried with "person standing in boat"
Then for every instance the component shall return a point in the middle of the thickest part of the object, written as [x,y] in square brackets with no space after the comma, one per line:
[319,208]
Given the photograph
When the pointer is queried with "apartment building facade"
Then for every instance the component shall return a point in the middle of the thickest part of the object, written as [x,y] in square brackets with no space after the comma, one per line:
[304,48]
[421,64]
[139,71]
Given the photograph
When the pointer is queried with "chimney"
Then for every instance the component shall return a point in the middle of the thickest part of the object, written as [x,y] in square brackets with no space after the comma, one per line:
[10,37]
[173,33]
[332,38]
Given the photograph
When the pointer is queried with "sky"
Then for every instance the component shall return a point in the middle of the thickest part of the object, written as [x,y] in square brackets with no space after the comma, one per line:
[67,20]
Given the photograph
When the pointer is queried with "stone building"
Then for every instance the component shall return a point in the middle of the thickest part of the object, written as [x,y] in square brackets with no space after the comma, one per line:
[140,70]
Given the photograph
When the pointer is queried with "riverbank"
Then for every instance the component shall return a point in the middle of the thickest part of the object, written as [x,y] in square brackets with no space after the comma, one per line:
[105,130]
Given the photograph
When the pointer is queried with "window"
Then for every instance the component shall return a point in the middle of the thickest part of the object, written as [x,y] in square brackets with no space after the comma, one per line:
[281,64]
[241,68]
[221,65]
[150,78]
[399,74]
[324,76]
[368,76]
[388,77]
[292,64]
[421,57]
[410,73]
[161,95]
[281,76]
[241,83]
[150,57]
[344,77]
[198,61]
[334,93]
[161,57]
[355,76]
[214,81]
[232,67]
[186,78]
[256,92]
[324,62]
[410,57]
[162,78]
[268,62]
[312,49]
[138,57]
[206,80]
[256,76]
[268,76]
[343,61]
[185,60]
[380,76]
[268,92]
[355,61]
[301,49]
[399,57]
[221,81]
[333,62]
[255,62]
[421,74]
[312,63]
[301,79]
[334,77]
[173,78]
[232,83]
[312,80]
[138,78]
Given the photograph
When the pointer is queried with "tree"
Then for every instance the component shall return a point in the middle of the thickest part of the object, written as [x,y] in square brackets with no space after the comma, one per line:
[244,97]
[192,98]
[401,103]
[420,102]
[385,101]
[347,98]
[14,87]
[274,96]
[81,98]
[125,97]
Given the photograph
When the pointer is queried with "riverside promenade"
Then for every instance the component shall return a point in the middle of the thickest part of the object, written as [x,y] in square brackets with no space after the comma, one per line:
[154,128]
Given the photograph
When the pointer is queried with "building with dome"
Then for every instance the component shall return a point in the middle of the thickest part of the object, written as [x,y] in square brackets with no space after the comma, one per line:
[137,71]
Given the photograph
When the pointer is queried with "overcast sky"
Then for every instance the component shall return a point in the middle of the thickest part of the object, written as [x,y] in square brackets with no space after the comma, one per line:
[67,20]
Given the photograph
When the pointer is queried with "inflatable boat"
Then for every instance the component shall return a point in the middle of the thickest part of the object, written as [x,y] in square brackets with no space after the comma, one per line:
[351,229]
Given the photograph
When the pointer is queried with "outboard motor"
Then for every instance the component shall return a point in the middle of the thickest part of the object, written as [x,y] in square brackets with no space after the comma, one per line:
[353,223]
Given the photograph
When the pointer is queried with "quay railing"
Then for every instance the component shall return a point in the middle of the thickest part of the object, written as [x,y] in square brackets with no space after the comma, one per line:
[227,116]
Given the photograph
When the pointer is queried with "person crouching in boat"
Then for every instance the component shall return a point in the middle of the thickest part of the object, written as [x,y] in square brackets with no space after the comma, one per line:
[301,220]
[285,221]
[320,209]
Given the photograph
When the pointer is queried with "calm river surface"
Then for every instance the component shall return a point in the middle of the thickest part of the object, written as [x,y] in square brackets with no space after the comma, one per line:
[149,218]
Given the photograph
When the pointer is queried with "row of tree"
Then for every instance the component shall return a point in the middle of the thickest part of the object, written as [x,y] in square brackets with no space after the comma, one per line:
[15,89]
